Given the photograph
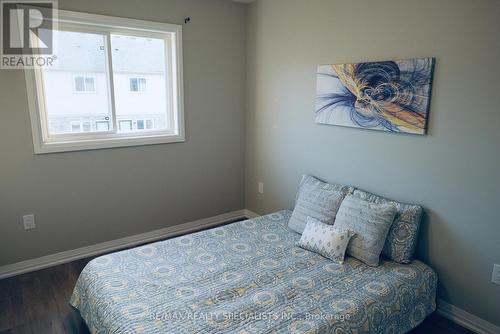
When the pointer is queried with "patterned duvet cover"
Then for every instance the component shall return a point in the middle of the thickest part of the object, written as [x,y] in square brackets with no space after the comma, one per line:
[249,277]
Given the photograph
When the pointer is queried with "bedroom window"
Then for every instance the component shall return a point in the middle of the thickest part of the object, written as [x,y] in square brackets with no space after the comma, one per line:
[119,56]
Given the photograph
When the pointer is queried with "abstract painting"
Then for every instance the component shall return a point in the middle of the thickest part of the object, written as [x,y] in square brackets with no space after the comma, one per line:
[386,95]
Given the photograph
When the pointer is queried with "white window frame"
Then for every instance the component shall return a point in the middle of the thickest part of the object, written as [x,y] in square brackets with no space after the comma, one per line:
[172,33]
[85,91]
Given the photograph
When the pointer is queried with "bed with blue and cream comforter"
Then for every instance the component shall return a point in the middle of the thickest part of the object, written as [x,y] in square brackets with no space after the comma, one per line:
[249,277]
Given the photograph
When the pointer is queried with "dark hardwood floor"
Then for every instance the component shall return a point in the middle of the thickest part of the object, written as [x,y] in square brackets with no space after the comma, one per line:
[37,302]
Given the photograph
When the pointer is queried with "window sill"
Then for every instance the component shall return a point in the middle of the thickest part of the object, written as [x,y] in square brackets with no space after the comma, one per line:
[103,143]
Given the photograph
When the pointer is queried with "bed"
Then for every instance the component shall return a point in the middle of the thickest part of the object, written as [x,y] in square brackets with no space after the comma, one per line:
[249,277]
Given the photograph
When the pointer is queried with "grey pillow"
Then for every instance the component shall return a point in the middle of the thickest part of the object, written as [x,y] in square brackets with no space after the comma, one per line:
[320,204]
[311,180]
[318,200]
[401,240]
[371,222]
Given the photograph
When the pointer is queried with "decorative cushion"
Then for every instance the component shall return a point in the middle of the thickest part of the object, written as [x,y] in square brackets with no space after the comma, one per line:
[321,204]
[318,200]
[371,222]
[401,240]
[325,240]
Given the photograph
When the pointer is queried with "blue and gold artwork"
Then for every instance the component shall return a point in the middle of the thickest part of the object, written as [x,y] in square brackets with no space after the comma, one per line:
[387,95]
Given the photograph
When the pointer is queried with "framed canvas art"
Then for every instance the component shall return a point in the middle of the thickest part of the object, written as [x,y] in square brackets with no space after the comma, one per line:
[386,95]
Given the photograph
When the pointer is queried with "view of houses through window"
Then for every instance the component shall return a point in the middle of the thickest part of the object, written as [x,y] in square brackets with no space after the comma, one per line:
[78,89]
[125,125]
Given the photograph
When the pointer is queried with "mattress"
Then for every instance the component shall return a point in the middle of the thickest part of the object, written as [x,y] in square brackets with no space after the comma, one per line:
[249,277]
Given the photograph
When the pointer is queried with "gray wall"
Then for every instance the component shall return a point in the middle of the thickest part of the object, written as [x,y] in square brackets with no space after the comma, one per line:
[82,198]
[86,197]
[454,171]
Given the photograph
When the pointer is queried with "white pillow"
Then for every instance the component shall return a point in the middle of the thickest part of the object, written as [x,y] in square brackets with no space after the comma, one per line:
[325,240]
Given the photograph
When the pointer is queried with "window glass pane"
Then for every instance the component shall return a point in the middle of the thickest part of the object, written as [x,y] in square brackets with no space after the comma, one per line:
[125,126]
[140,124]
[149,124]
[137,62]
[133,85]
[79,84]
[102,125]
[75,127]
[87,126]
[89,84]
[142,84]
[80,66]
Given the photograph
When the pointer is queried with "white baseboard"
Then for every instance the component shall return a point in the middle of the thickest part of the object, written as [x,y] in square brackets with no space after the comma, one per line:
[250,214]
[114,245]
[455,314]
[465,319]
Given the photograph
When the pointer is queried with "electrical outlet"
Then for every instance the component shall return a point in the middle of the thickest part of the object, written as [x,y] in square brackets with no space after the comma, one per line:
[495,277]
[261,187]
[29,222]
